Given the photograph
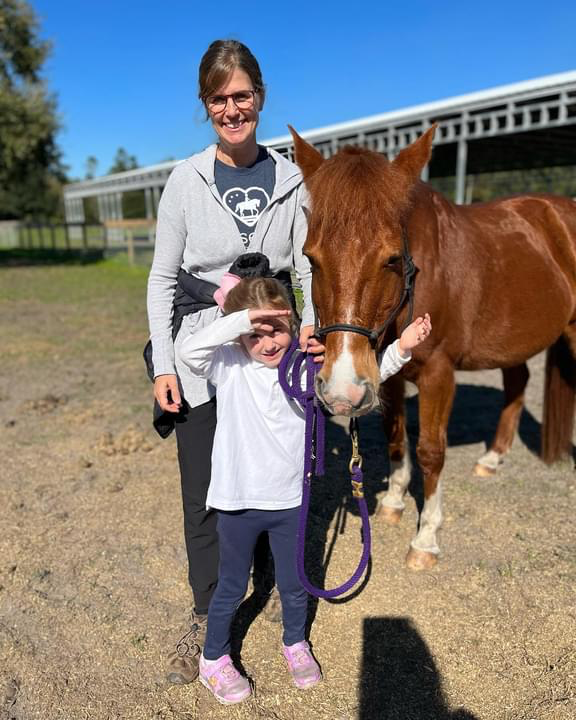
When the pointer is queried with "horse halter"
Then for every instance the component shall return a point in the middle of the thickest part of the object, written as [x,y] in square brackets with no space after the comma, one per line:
[408,273]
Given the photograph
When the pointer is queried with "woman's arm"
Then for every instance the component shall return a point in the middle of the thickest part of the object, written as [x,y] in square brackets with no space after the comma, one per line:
[168,253]
[301,263]
[304,274]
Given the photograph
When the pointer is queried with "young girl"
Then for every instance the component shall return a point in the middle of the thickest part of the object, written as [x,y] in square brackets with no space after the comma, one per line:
[257,465]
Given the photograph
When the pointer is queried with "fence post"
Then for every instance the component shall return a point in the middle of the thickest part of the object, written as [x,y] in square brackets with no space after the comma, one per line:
[84,237]
[53,236]
[130,245]
[67,235]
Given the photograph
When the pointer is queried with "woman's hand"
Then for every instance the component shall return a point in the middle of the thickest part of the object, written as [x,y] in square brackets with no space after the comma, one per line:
[310,344]
[415,334]
[167,393]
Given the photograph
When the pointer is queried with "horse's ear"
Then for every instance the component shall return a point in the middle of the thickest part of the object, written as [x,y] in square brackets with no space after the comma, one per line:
[412,160]
[307,157]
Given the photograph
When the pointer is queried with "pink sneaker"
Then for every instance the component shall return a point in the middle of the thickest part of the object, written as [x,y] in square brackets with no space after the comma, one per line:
[224,681]
[304,669]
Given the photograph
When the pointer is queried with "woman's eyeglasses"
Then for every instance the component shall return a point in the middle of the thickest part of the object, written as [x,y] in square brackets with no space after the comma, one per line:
[244,100]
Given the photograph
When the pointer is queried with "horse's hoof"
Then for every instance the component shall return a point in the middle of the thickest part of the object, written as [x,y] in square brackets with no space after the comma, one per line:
[391,516]
[487,465]
[420,560]
[484,471]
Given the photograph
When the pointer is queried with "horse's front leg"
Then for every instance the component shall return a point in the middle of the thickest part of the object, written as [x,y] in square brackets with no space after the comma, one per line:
[515,380]
[391,506]
[436,392]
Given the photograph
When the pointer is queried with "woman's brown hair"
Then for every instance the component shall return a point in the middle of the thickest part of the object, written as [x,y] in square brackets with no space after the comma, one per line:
[259,292]
[220,60]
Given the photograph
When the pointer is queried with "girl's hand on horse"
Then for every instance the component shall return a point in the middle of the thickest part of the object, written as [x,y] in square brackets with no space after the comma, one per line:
[263,318]
[167,393]
[310,345]
[415,334]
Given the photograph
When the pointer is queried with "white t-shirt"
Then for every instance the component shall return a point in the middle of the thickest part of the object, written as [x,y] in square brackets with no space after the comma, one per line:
[258,453]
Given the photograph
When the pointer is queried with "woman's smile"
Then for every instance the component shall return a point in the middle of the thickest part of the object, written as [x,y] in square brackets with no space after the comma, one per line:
[235,127]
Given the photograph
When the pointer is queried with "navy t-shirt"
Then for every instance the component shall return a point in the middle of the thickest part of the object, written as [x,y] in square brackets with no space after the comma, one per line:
[246,191]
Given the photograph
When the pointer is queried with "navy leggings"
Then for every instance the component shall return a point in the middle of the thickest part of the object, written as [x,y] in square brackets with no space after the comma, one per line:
[237,533]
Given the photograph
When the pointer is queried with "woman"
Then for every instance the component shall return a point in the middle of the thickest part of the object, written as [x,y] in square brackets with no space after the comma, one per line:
[234,197]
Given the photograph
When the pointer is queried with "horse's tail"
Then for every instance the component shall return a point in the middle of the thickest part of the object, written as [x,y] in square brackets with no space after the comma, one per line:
[559,402]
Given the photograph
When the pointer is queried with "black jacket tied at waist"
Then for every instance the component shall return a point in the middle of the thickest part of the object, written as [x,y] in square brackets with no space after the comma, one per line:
[194,294]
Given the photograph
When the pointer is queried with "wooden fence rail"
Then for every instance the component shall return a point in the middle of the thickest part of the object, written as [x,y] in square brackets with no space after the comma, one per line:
[111,237]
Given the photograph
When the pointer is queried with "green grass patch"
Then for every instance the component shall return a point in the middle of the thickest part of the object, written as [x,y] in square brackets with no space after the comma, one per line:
[110,281]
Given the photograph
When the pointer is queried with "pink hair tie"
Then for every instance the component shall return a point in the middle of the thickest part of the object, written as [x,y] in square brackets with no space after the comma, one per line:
[228,282]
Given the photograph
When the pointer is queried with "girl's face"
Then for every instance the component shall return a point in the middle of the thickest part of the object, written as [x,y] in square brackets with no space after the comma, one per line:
[269,347]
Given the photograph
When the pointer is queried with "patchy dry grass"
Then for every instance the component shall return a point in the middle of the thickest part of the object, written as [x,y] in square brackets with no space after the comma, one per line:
[92,564]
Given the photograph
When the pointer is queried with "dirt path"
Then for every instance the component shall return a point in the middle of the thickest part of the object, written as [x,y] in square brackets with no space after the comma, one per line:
[92,565]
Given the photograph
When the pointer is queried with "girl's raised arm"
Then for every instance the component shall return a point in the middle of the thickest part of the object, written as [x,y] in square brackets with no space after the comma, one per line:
[200,349]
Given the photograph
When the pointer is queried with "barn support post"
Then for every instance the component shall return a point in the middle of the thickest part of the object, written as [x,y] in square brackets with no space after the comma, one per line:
[461,160]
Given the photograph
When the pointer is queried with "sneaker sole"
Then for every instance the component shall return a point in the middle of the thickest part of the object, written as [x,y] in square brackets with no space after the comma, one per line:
[220,699]
[308,685]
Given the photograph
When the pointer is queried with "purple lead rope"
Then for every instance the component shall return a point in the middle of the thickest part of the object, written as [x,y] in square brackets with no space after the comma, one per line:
[289,373]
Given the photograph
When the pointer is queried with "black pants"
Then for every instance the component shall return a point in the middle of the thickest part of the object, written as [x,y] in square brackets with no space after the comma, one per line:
[195,429]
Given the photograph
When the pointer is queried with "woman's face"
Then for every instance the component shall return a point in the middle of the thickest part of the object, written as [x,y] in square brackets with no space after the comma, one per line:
[235,127]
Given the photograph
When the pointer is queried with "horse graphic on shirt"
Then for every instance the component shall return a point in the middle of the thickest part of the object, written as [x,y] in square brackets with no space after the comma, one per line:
[248,207]
[246,204]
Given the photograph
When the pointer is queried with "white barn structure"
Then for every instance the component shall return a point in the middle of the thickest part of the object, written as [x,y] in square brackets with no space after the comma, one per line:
[524,125]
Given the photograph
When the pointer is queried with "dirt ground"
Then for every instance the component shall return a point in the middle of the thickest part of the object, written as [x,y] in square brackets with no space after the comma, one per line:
[92,564]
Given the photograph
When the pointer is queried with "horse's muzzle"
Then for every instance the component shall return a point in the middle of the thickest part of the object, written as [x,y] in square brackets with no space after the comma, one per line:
[359,398]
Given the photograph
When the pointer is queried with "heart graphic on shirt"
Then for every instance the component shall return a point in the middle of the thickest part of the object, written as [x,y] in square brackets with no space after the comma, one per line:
[246,205]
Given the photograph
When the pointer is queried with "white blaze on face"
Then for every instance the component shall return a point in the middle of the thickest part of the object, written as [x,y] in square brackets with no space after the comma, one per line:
[342,389]
[343,371]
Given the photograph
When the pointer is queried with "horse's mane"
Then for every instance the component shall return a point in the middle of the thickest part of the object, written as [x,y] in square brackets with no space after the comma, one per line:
[357,189]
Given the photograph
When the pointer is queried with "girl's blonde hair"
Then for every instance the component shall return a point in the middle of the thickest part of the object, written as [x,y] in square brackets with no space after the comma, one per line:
[260,292]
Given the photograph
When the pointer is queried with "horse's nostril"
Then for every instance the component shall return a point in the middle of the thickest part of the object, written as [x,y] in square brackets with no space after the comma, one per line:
[368,396]
[361,394]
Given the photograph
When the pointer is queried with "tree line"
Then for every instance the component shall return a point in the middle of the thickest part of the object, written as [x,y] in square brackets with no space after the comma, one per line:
[32,172]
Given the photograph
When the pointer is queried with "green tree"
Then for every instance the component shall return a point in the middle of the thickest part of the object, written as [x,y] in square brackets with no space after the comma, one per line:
[123,161]
[91,167]
[31,172]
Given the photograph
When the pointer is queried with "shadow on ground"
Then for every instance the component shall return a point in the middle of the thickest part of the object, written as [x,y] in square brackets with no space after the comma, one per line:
[474,418]
[398,678]
[17,257]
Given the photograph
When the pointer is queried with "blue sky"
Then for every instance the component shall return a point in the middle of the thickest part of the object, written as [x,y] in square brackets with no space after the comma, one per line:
[125,72]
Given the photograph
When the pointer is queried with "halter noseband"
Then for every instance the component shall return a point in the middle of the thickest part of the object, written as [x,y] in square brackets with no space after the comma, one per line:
[408,273]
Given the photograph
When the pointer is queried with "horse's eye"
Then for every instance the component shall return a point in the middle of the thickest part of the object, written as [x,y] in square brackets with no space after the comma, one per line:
[393,261]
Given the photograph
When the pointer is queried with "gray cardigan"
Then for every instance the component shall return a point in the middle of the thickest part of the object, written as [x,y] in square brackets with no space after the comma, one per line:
[196,232]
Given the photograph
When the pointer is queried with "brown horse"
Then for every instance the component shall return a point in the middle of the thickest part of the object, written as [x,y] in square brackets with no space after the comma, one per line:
[498,279]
